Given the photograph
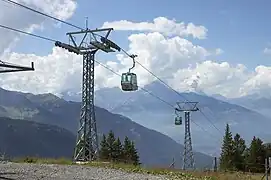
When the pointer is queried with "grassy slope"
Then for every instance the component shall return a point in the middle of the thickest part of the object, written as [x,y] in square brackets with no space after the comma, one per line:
[172,174]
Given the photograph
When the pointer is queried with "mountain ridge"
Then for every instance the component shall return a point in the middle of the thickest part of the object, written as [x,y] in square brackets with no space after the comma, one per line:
[154,147]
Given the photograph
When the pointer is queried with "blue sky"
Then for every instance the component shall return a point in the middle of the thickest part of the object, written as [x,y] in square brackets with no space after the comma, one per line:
[240,28]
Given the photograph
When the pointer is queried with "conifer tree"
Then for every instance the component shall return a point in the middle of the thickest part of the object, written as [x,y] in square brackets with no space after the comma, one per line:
[110,141]
[104,150]
[126,150]
[117,150]
[226,157]
[134,155]
[239,148]
[112,149]
[129,152]
[256,155]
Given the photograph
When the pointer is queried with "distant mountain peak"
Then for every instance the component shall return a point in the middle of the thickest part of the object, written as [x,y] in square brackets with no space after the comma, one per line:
[44,98]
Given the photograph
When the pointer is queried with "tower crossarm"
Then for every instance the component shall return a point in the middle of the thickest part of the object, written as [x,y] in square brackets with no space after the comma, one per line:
[6,67]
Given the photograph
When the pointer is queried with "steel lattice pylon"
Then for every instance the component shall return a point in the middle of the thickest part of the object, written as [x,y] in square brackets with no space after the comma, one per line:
[87,138]
[87,147]
[188,156]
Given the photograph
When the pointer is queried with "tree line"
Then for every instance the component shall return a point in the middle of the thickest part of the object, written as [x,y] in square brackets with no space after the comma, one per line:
[112,149]
[237,156]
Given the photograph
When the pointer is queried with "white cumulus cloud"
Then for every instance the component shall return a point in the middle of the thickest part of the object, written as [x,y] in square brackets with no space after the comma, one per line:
[42,80]
[53,73]
[213,78]
[259,81]
[162,25]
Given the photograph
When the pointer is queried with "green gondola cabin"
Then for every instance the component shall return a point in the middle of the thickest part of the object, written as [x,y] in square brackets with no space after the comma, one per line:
[178,120]
[129,82]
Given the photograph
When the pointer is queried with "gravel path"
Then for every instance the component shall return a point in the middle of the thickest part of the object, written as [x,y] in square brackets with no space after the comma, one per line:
[14,171]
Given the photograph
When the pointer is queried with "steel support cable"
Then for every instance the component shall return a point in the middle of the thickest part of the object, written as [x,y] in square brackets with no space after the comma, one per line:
[52,40]
[30,34]
[41,13]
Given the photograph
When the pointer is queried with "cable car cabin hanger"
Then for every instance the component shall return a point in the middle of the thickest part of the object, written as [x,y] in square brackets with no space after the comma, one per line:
[129,79]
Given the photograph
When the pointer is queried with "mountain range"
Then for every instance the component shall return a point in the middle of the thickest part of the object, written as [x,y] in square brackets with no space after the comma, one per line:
[44,124]
[152,126]
[214,113]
